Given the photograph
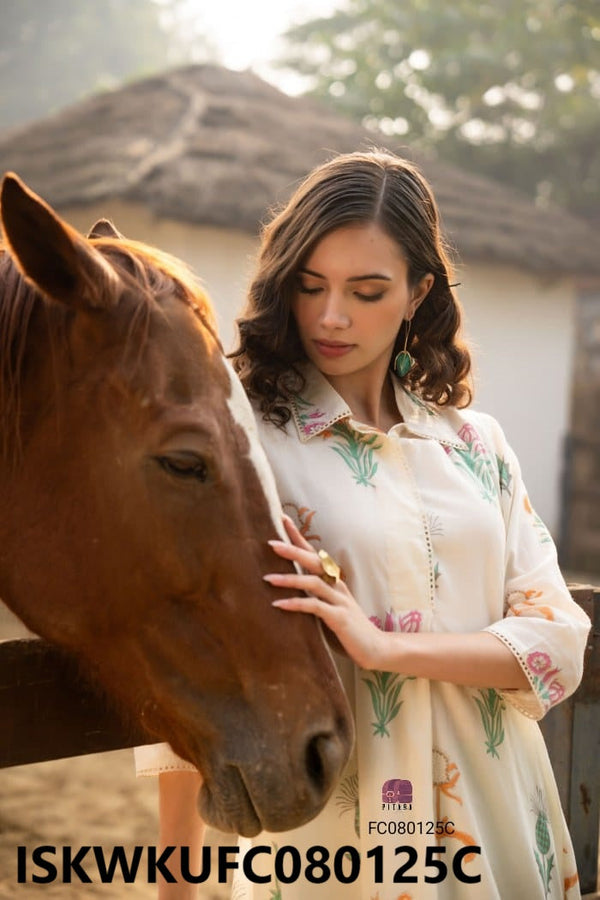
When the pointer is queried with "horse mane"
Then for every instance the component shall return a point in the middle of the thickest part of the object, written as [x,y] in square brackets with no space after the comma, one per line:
[152,277]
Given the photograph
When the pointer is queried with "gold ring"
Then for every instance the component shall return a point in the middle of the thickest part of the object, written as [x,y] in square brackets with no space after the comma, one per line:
[331,570]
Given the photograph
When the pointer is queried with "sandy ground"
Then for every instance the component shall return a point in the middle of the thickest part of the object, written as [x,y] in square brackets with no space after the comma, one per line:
[95,800]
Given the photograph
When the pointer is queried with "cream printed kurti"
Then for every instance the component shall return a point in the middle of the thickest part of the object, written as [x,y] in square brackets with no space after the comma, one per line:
[449,793]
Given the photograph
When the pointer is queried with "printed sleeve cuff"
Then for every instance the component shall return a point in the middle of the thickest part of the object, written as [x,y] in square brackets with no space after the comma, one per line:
[528,702]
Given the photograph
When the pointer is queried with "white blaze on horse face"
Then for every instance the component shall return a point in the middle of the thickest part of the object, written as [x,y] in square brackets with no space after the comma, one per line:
[241,411]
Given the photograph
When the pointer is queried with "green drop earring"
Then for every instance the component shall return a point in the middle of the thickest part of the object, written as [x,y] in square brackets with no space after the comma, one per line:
[404,362]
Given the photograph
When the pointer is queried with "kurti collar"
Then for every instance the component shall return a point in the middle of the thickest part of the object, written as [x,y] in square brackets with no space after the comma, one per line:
[319,406]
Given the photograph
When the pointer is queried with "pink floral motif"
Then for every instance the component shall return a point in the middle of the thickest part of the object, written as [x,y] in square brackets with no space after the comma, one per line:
[407,622]
[556,691]
[411,621]
[309,426]
[468,434]
[539,662]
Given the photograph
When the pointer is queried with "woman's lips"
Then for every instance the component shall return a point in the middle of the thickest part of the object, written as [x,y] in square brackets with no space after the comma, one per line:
[332,349]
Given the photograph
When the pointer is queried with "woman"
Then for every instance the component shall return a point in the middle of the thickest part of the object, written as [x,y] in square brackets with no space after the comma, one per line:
[457,628]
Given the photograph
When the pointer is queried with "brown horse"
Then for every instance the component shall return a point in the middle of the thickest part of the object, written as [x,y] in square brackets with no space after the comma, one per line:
[136,505]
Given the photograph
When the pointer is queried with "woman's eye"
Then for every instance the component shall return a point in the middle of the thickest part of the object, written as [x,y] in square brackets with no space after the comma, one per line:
[305,289]
[369,297]
[184,466]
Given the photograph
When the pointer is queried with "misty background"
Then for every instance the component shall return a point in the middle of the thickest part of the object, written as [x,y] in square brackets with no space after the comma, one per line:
[507,89]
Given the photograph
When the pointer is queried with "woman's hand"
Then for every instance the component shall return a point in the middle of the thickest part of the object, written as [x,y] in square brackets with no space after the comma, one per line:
[478,659]
[333,604]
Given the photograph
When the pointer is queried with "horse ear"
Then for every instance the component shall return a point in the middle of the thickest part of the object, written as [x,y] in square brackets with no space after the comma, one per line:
[51,254]
[104,228]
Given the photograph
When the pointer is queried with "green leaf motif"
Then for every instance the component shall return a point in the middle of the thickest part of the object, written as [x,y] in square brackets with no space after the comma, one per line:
[504,475]
[545,867]
[385,688]
[275,893]
[309,417]
[543,533]
[543,857]
[476,463]
[357,451]
[491,706]
[347,799]
[424,406]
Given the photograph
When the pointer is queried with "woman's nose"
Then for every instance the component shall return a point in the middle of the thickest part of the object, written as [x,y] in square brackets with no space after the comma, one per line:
[334,314]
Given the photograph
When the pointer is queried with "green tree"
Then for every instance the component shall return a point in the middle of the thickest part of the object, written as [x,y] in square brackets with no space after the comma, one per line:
[57,51]
[510,89]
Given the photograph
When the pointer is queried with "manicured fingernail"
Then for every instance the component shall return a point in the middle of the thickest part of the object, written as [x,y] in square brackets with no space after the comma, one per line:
[275,543]
[273,578]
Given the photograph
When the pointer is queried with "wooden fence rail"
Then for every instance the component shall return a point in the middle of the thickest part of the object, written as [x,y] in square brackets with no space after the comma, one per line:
[48,711]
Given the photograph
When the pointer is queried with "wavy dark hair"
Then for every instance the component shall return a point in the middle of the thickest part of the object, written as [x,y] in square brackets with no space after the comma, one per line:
[372,187]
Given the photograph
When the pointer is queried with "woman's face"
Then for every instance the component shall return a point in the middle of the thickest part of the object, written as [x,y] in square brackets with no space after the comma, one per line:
[350,300]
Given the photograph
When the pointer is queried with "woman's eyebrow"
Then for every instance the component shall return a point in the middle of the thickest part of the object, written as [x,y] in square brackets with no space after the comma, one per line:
[371,276]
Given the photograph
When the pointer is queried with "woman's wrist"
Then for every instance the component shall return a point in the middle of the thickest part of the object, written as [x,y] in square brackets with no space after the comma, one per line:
[475,659]
[389,653]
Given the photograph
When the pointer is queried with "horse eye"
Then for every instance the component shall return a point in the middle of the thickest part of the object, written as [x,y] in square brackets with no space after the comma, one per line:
[185,465]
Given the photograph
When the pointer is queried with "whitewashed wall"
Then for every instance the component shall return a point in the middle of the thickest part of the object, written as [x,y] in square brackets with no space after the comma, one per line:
[521,330]
[222,259]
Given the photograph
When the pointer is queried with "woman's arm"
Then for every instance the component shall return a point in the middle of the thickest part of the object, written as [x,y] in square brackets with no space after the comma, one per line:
[180,825]
[477,659]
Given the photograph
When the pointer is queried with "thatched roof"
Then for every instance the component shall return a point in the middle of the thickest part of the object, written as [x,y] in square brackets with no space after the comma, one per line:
[208,145]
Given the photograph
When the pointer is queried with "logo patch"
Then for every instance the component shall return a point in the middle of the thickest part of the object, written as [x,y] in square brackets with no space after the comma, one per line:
[397,792]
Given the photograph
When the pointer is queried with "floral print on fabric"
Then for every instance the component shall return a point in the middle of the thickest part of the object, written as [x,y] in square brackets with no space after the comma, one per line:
[504,475]
[476,462]
[347,799]
[543,857]
[542,531]
[426,407]
[525,603]
[310,418]
[357,452]
[446,775]
[385,688]
[402,621]
[275,893]
[491,706]
[550,690]
[303,517]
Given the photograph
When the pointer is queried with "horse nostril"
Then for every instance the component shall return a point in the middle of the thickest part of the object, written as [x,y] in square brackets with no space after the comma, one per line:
[322,759]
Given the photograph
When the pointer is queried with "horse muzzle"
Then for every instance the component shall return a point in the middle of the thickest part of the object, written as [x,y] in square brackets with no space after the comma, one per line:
[274,793]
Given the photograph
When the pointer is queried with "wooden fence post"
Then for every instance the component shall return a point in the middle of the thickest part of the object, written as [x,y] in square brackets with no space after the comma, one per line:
[572,733]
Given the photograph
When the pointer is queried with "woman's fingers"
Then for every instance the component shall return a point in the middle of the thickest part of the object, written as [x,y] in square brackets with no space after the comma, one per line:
[305,556]
[294,534]
[327,612]
[314,584]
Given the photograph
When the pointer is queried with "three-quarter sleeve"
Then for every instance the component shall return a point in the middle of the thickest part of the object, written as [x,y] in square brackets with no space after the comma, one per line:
[542,625]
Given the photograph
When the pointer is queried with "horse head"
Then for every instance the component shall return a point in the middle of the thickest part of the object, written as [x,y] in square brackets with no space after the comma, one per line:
[136,508]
